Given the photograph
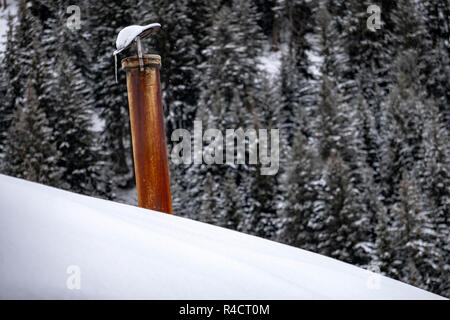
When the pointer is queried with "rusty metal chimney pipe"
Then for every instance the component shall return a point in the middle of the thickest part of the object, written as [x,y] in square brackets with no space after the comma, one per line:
[148,133]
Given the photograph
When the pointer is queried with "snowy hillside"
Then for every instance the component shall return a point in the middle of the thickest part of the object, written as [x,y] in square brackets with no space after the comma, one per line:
[128,252]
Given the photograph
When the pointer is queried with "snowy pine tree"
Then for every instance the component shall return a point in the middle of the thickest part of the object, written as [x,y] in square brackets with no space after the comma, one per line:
[402,126]
[434,179]
[30,152]
[369,53]
[20,47]
[177,46]
[106,19]
[370,140]
[435,15]
[341,223]
[7,93]
[413,236]
[230,88]
[296,89]
[328,125]
[71,122]
[302,184]
[230,206]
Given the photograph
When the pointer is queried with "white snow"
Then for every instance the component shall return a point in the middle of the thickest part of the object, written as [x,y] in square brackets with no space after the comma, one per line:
[98,123]
[11,8]
[128,34]
[316,61]
[128,252]
[270,62]
[126,37]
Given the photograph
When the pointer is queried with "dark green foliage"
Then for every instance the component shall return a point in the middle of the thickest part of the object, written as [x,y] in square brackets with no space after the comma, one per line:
[71,122]
[414,244]
[7,93]
[30,152]
[106,19]
[402,125]
[303,182]
[179,46]
[50,61]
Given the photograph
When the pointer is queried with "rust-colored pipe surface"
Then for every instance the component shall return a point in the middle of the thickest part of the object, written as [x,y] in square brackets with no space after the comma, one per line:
[149,137]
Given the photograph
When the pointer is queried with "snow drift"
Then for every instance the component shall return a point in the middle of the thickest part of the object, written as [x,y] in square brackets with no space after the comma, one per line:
[131,253]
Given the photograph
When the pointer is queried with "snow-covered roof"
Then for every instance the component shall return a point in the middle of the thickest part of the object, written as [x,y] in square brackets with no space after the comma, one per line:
[120,251]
